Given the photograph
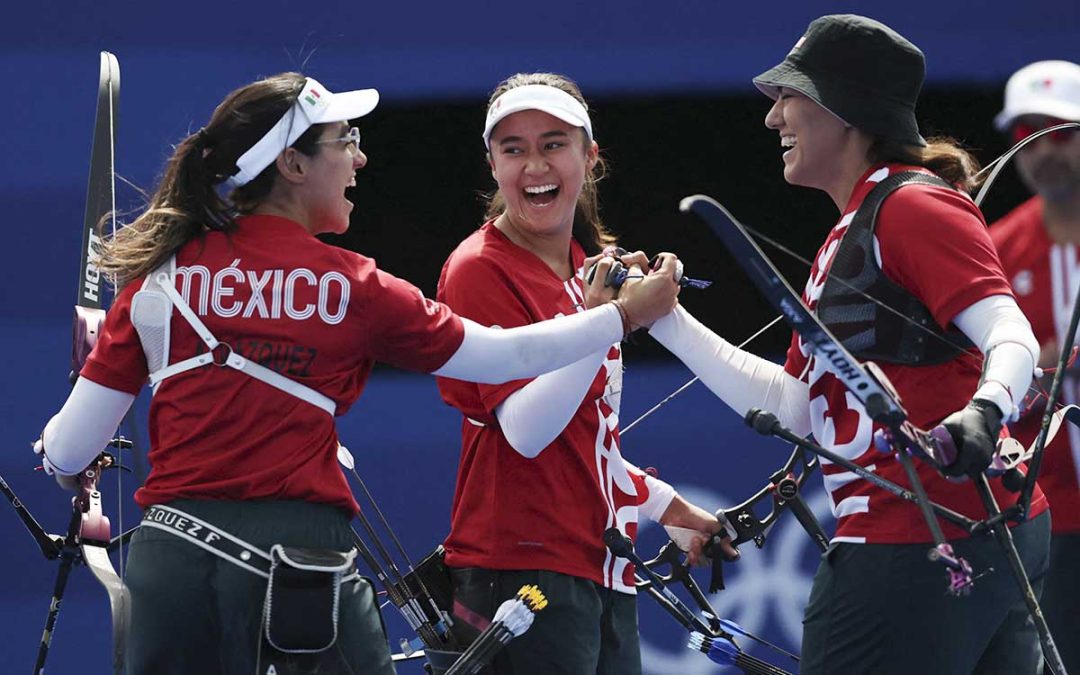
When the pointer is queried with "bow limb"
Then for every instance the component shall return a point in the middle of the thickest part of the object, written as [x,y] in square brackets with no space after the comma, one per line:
[708,625]
[998,164]
[94,534]
[95,537]
[100,202]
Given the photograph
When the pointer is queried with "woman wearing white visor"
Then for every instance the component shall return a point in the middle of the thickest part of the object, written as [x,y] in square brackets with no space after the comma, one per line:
[541,474]
[254,335]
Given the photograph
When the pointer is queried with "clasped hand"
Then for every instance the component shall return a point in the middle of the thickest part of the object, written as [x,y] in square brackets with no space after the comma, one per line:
[648,292]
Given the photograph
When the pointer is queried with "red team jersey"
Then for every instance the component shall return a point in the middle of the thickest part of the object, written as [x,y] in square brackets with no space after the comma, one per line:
[549,513]
[1045,277]
[933,242]
[322,318]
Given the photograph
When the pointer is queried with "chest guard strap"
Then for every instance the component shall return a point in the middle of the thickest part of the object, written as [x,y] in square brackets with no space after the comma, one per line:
[151,310]
[870,332]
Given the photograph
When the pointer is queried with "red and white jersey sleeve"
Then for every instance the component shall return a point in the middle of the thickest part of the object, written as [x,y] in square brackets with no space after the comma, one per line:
[1045,277]
[118,360]
[316,314]
[403,328]
[550,512]
[933,242]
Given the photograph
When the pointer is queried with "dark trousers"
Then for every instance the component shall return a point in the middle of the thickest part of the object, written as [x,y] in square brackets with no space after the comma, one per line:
[586,629]
[883,609]
[1061,598]
[193,612]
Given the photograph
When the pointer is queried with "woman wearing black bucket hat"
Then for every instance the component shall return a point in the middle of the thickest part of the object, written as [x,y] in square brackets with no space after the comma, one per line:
[844,108]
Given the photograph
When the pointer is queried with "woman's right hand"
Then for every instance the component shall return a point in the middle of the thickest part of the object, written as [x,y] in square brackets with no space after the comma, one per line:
[646,300]
[597,292]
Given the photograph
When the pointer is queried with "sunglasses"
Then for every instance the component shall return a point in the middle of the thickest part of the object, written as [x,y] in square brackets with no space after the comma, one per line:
[1022,130]
[351,139]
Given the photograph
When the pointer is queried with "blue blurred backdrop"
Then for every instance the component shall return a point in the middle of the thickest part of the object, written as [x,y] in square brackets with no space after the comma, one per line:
[179,59]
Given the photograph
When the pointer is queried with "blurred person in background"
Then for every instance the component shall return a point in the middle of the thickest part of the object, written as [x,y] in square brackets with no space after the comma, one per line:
[541,475]
[1037,243]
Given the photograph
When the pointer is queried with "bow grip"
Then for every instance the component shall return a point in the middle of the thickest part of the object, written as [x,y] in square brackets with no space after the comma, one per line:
[87,328]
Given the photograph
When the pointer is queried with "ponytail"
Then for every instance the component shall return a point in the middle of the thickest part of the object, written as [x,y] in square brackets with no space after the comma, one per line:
[187,202]
[942,155]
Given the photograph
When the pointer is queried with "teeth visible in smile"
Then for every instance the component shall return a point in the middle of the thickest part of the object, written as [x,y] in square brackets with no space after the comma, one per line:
[787,141]
[540,189]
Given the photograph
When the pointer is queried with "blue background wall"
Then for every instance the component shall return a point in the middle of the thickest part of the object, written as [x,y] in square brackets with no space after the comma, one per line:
[179,59]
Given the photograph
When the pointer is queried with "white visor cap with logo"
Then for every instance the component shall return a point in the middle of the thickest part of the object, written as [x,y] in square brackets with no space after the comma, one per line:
[1050,88]
[542,97]
[315,105]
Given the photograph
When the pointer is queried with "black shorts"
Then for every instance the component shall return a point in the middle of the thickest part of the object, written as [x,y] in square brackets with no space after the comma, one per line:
[193,612]
[883,609]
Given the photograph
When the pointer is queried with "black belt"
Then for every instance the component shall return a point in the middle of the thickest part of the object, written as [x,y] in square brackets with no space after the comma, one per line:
[213,539]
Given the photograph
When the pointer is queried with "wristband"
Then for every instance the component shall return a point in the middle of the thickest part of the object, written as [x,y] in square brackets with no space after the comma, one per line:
[626,325]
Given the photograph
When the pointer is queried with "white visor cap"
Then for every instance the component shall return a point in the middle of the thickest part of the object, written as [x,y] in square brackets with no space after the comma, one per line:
[1050,88]
[314,105]
[542,97]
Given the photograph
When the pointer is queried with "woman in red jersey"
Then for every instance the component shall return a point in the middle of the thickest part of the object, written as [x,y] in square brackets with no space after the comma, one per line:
[910,238]
[254,336]
[1037,242]
[541,475]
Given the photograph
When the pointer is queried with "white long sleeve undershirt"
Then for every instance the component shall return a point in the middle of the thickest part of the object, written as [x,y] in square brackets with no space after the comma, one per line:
[493,355]
[83,427]
[534,416]
[1003,334]
[740,379]
[743,381]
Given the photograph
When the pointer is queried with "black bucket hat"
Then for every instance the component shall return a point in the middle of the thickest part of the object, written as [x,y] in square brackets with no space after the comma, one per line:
[860,70]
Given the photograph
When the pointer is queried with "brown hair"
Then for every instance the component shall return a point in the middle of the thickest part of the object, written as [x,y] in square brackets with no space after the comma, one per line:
[588,228]
[942,155]
[186,202]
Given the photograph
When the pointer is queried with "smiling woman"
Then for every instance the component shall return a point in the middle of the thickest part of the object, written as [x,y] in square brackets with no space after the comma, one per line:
[223,269]
[541,475]
[910,249]
[544,133]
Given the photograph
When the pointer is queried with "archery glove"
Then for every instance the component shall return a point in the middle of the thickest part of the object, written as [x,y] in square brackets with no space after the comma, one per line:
[974,431]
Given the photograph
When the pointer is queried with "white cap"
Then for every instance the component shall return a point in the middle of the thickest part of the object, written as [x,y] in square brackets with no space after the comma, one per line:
[542,97]
[1050,88]
[314,105]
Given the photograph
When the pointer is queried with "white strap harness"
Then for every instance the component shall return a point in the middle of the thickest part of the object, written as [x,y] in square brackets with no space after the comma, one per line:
[219,353]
